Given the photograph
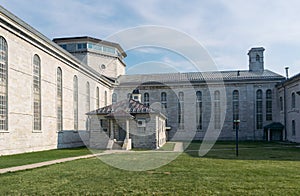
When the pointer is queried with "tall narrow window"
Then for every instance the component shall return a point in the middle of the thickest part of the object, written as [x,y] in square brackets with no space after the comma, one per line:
[75,96]
[97,98]
[163,99]
[105,98]
[146,99]
[281,103]
[259,111]
[269,105]
[3,84]
[36,92]
[129,96]
[199,110]
[88,97]
[181,110]
[59,100]
[235,107]
[293,100]
[217,110]
[293,128]
[114,98]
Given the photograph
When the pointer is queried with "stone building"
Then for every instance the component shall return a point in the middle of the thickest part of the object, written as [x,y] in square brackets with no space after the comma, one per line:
[47,87]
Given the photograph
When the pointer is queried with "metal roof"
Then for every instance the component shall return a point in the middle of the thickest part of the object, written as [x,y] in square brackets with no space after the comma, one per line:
[199,77]
[126,106]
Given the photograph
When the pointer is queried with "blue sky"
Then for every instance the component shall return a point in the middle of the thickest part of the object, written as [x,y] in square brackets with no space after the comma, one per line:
[226,29]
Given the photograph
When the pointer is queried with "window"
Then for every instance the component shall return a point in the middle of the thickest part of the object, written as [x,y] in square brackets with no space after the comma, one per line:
[88,97]
[114,98]
[217,110]
[199,110]
[293,128]
[146,99]
[36,93]
[75,97]
[293,100]
[3,84]
[163,99]
[105,98]
[59,100]
[281,103]
[81,46]
[129,96]
[235,107]
[259,112]
[269,105]
[97,98]
[181,110]
[141,123]
[257,58]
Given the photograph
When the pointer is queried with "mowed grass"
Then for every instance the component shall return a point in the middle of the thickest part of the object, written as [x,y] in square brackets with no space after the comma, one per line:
[259,170]
[36,157]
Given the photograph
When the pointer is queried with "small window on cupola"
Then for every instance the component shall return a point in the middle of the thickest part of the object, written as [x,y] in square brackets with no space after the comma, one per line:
[257,58]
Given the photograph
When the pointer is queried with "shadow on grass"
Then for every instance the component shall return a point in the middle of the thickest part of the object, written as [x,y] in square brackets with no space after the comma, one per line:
[249,151]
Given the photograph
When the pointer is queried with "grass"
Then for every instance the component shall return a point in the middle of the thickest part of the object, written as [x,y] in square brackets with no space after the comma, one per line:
[35,157]
[261,169]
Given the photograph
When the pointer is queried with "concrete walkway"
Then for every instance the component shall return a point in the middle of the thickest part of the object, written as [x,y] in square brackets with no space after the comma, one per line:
[45,163]
[177,148]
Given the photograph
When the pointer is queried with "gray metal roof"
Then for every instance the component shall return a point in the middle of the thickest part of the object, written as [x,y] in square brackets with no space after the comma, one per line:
[200,77]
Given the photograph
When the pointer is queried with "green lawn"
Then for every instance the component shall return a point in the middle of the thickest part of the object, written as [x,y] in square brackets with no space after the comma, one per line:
[35,157]
[261,169]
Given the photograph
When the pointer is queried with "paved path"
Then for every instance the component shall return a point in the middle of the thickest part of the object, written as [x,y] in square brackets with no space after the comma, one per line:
[45,163]
[177,148]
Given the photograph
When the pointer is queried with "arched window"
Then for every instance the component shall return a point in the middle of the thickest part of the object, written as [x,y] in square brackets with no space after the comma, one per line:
[75,97]
[163,99]
[235,107]
[181,110]
[199,110]
[259,110]
[97,98]
[146,99]
[293,100]
[293,128]
[3,83]
[269,105]
[105,98]
[217,110]
[88,97]
[257,58]
[114,98]
[59,101]
[129,96]
[36,92]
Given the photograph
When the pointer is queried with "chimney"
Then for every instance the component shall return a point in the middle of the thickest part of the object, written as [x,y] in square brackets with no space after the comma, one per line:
[287,72]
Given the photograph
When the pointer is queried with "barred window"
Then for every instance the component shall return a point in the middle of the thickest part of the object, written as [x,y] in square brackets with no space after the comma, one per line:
[36,92]
[235,107]
[181,110]
[199,110]
[3,84]
[293,100]
[217,110]
[259,110]
[75,102]
[114,98]
[163,98]
[269,105]
[88,102]
[97,98]
[146,99]
[59,101]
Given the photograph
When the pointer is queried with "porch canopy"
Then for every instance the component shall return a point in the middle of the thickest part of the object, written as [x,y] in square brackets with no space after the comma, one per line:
[274,126]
